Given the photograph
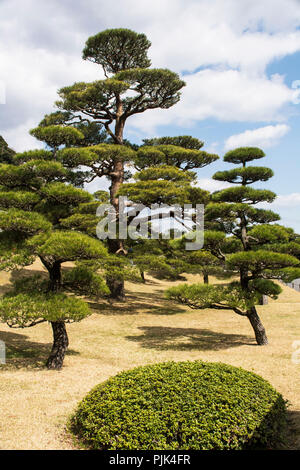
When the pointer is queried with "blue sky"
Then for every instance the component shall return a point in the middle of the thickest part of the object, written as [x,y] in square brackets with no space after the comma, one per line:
[240,59]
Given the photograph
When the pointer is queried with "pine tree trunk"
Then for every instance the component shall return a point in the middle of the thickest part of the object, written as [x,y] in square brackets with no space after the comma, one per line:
[143,276]
[259,330]
[55,277]
[60,345]
[205,278]
[116,286]
[54,270]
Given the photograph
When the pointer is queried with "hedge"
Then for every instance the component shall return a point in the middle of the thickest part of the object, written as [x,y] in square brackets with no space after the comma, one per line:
[181,405]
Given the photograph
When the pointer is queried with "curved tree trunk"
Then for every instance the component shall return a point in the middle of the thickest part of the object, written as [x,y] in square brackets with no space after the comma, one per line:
[55,277]
[54,270]
[60,345]
[60,337]
[259,330]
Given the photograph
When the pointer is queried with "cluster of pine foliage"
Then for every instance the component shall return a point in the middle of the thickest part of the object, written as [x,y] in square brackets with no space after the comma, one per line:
[45,213]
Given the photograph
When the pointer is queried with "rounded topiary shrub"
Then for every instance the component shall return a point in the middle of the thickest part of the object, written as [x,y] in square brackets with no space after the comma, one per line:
[181,405]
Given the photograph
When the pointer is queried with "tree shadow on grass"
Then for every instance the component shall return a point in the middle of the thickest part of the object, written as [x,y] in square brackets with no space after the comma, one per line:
[144,303]
[187,339]
[21,352]
[293,430]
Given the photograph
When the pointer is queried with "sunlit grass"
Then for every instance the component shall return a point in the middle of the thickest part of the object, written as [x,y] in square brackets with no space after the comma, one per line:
[35,403]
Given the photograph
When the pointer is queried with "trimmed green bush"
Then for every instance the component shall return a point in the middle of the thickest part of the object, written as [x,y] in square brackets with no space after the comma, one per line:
[181,405]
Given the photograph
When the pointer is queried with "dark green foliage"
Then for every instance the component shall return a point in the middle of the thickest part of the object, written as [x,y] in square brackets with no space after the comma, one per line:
[13,252]
[243,194]
[159,192]
[84,280]
[28,304]
[31,175]
[181,406]
[271,234]
[243,155]
[160,184]
[258,261]
[224,213]
[165,172]
[55,136]
[184,141]
[6,153]
[99,159]
[156,88]
[36,205]
[260,253]
[224,296]
[38,154]
[118,49]
[67,246]
[91,98]
[18,199]
[23,222]
[85,223]
[101,196]
[165,178]
[92,131]
[62,194]
[244,175]
[172,155]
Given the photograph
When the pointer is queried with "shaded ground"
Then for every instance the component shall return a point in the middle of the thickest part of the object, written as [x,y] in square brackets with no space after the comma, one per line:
[35,403]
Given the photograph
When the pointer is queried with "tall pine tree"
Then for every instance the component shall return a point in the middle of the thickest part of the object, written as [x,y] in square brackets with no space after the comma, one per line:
[257,258]
[131,87]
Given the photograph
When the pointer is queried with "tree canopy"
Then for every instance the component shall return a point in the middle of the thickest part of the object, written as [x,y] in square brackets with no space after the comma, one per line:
[247,243]
[36,198]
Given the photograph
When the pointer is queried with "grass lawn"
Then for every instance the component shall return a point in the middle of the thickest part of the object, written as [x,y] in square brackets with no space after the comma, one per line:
[35,403]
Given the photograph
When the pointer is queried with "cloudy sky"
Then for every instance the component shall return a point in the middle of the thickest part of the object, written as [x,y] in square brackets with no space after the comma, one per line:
[239,58]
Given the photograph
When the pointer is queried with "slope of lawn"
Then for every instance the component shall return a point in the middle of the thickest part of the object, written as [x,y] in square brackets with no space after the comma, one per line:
[35,403]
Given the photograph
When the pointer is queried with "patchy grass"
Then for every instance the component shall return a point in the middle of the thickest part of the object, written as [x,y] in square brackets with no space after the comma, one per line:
[36,403]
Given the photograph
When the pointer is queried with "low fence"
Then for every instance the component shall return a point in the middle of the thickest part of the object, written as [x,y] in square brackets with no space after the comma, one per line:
[293,285]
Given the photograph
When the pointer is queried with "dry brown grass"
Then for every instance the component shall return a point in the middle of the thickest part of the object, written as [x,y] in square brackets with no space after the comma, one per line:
[35,403]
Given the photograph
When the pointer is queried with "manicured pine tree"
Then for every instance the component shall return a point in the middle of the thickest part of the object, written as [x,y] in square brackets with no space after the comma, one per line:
[131,87]
[35,199]
[165,177]
[234,210]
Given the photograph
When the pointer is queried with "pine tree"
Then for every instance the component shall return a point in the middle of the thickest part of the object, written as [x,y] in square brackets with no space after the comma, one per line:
[257,257]
[164,177]
[130,87]
[35,200]
[6,153]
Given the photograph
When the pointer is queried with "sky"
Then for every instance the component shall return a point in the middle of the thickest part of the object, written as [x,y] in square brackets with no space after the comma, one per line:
[240,60]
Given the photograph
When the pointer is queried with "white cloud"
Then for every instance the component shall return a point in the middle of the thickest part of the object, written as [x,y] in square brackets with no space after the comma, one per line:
[233,42]
[206,34]
[288,207]
[97,184]
[212,185]
[227,95]
[264,137]
[287,200]
[19,139]
[2,92]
